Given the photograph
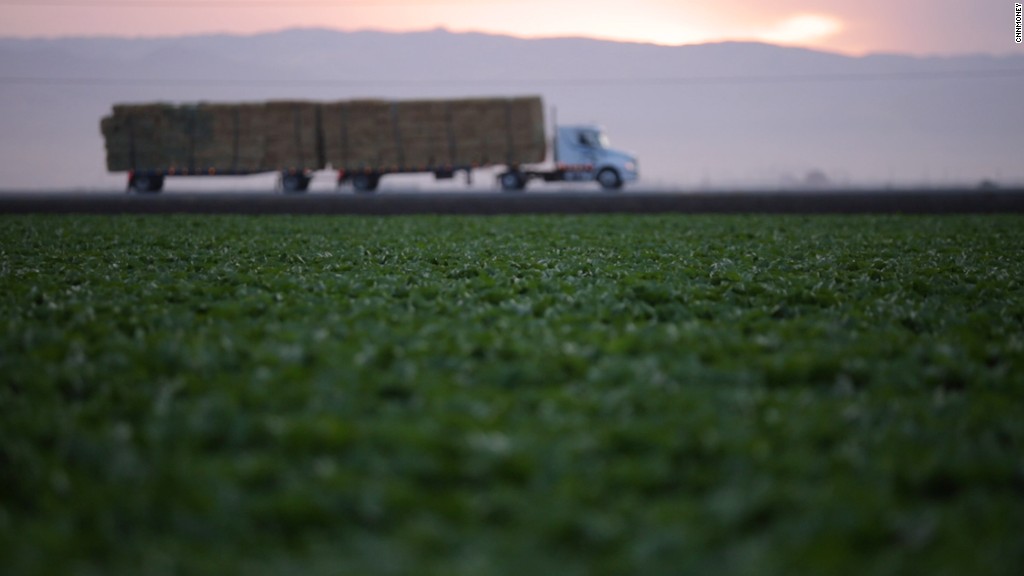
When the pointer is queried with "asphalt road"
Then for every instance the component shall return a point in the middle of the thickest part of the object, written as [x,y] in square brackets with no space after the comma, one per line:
[923,201]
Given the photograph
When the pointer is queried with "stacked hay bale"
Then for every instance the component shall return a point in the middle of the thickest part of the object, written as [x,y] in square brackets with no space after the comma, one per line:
[499,131]
[360,135]
[423,134]
[214,138]
[419,135]
[527,130]
[148,137]
[230,138]
[292,139]
[370,135]
[481,131]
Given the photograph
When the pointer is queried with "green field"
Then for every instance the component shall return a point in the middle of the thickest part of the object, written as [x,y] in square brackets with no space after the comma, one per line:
[512,395]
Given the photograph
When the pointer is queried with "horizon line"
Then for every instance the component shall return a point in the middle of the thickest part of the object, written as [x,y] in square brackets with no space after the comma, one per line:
[446,30]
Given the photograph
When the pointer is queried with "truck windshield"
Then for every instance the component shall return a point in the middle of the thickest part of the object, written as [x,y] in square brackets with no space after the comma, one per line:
[595,139]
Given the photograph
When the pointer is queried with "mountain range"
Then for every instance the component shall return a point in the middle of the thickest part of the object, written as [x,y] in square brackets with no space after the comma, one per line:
[697,116]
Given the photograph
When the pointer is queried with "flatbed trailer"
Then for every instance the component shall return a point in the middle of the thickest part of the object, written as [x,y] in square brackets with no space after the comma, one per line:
[362,140]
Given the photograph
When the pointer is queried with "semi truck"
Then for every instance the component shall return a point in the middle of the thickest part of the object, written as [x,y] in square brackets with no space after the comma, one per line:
[361,140]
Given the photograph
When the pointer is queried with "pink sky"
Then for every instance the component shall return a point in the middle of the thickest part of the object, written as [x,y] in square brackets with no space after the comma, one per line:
[913,26]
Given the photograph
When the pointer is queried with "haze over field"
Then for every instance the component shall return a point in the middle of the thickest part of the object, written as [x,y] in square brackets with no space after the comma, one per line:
[714,115]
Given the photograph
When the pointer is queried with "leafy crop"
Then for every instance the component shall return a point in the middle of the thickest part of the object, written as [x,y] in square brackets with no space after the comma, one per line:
[558,395]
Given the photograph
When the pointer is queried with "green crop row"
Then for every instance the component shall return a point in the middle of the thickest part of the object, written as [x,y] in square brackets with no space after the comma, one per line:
[509,395]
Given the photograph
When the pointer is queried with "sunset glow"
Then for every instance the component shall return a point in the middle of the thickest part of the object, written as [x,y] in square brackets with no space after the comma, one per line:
[802,29]
[860,27]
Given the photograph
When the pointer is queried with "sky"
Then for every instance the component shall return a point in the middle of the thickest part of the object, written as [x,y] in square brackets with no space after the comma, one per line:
[922,27]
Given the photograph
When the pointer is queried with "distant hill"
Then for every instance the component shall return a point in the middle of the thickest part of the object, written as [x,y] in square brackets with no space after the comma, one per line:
[710,115]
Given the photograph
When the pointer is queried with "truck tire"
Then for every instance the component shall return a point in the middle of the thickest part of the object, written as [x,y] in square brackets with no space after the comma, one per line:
[146,183]
[365,182]
[294,183]
[512,181]
[609,179]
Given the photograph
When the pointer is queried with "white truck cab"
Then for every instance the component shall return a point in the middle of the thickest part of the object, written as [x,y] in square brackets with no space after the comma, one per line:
[582,153]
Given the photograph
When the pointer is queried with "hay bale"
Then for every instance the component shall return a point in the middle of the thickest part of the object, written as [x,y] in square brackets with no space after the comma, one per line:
[230,137]
[201,137]
[359,135]
[480,127]
[297,135]
[148,136]
[292,136]
[430,134]
[422,131]
[527,130]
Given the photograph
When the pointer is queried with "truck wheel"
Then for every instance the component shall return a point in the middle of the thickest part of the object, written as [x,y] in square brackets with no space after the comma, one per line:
[609,179]
[292,183]
[512,181]
[144,183]
[365,182]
